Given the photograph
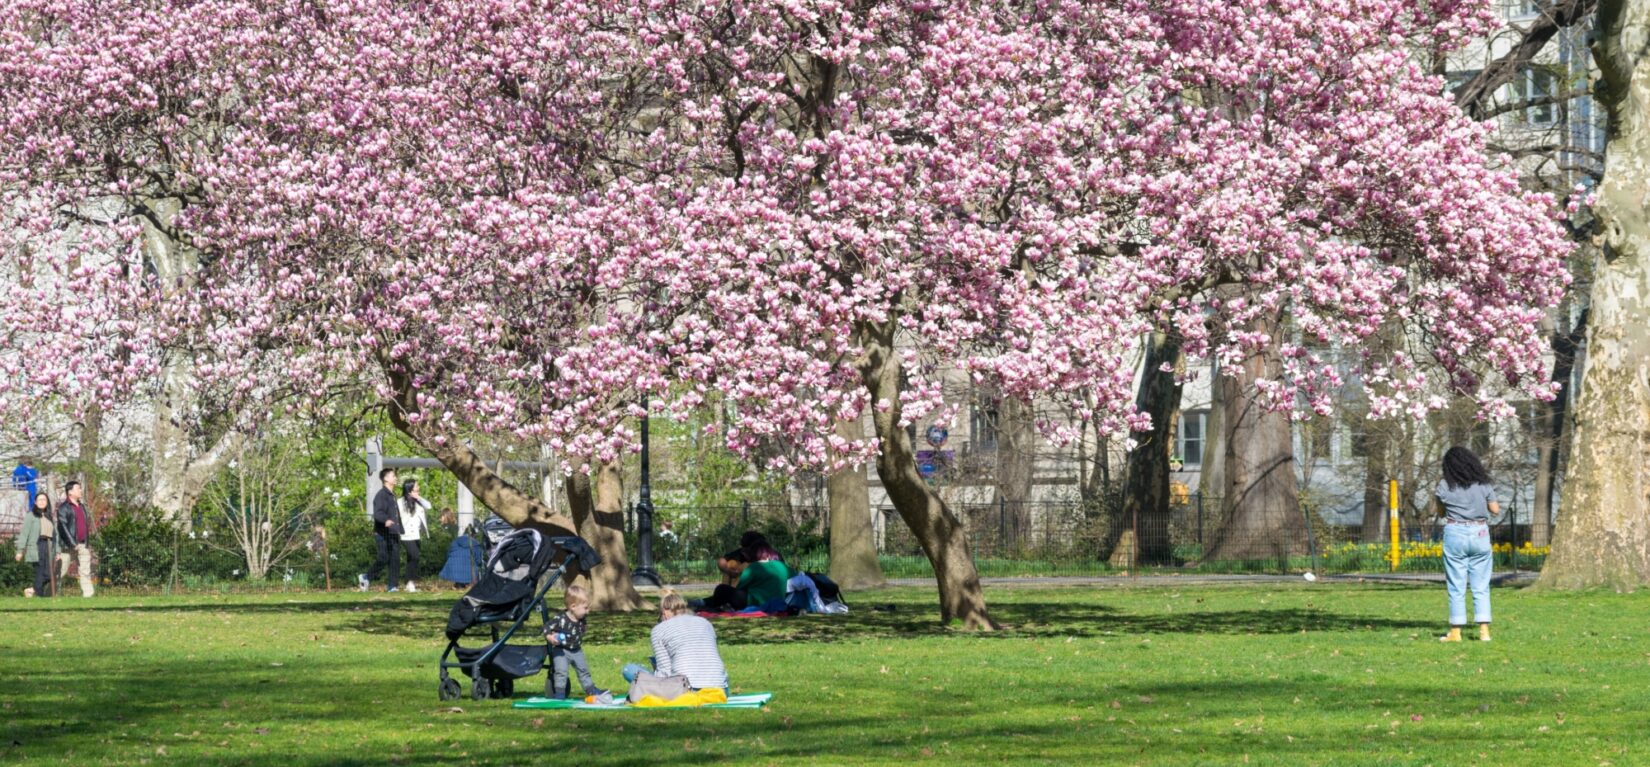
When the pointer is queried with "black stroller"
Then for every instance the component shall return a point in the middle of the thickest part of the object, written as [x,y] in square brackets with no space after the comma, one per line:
[520,570]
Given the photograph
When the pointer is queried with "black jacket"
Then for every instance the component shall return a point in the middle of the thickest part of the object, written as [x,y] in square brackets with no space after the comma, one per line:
[67,520]
[386,513]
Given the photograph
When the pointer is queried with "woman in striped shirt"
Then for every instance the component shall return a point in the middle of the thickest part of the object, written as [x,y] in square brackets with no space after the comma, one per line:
[685,644]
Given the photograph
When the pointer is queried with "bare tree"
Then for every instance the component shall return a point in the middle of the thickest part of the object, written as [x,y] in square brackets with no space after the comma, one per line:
[259,513]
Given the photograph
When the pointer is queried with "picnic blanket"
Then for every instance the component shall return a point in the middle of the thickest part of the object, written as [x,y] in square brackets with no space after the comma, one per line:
[749,612]
[752,700]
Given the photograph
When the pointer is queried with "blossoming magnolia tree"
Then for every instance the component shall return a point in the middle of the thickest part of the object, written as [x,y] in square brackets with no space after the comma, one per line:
[520,217]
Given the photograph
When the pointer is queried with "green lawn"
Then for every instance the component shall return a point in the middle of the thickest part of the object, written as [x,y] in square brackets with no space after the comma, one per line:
[1332,674]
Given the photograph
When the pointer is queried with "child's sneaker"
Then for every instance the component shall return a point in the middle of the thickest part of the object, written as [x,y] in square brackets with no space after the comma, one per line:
[391,590]
[361,582]
[412,588]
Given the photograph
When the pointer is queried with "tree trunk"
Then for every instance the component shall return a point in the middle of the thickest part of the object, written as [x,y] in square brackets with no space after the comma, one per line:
[597,507]
[1550,431]
[1260,510]
[177,476]
[1016,461]
[1146,477]
[854,562]
[91,443]
[1603,533]
[507,501]
[935,527]
[1376,475]
[1211,479]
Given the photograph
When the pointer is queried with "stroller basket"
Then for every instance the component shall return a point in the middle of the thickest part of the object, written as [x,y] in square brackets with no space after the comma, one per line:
[510,662]
[505,597]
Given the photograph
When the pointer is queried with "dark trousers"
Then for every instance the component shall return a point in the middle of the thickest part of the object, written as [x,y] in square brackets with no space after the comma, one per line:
[43,568]
[411,547]
[725,599]
[388,552]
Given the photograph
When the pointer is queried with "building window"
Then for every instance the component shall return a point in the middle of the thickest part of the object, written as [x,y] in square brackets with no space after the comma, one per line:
[1521,9]
[1320,434]
[982,422]
[1357,442]
[1540,85]
[1453,80]
[1193,433]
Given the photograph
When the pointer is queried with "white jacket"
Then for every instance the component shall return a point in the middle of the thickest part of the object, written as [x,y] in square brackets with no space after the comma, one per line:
[413,523]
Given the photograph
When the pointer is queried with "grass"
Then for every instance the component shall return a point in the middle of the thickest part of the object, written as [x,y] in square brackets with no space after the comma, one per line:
[1332,674]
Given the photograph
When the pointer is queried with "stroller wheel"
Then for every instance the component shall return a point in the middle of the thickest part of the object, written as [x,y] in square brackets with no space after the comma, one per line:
[450,689]
[481,689]
[504,688]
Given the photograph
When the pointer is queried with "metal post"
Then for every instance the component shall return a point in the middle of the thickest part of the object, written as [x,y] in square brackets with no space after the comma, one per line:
[645,575]
[1200,518]
[745,513]
[1002,523]
[466,509]
[375,464]
[1392,519]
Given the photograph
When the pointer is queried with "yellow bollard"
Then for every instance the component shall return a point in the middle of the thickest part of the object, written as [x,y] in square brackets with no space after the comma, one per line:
[1392,519]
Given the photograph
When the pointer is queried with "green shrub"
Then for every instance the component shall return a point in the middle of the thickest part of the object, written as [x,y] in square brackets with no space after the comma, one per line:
[136,549]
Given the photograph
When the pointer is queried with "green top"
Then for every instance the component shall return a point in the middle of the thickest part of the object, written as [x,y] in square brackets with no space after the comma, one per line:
[764,582]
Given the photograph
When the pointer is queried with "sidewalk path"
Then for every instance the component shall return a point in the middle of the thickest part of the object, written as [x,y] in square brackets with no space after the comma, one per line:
[1190,579]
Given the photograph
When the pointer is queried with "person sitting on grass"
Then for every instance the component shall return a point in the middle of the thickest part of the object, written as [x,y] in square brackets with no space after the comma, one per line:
[685,644]
[565,635]
[763,580]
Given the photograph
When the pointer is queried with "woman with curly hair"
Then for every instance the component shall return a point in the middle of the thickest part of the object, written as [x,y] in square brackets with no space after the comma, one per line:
[1466,501]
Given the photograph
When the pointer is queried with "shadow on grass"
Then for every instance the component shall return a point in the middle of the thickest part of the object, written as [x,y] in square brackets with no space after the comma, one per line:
[1021,620]
[267,717]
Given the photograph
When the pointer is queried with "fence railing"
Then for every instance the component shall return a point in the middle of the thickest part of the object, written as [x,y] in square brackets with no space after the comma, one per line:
[1079,538]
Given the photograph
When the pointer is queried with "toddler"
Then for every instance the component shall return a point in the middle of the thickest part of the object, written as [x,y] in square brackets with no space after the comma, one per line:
[565,635]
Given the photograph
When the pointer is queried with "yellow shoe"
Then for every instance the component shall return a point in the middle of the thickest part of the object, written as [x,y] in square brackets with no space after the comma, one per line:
[1483,632]
[1454,635]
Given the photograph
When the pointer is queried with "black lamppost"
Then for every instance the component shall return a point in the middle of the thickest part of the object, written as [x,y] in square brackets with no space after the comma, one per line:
[644,574]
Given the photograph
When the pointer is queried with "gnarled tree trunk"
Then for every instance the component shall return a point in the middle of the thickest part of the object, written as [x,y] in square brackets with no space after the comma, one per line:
[597,506]
[1260,510]
[507,501]
[936,528]
[1146,480]
[1603,532]
[854,562]
[1016,461]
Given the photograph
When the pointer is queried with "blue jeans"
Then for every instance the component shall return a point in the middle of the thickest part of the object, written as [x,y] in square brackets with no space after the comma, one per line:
[1467,564]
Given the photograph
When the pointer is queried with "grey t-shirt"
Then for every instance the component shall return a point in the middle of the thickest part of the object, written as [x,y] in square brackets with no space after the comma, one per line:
[1467,504]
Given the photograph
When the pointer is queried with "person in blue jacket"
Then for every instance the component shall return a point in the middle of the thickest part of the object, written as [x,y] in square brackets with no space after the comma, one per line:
[26,477]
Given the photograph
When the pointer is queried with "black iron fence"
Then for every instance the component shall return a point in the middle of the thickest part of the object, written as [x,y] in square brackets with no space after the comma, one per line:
[1080,538]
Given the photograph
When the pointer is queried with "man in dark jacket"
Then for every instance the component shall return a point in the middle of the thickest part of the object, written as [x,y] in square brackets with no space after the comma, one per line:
[386,528]
[76,526]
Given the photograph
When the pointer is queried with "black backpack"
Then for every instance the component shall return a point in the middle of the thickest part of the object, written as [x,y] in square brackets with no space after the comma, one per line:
[828,590]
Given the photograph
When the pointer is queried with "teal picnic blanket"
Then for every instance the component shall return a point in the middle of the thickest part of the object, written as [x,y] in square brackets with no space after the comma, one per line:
[753,700]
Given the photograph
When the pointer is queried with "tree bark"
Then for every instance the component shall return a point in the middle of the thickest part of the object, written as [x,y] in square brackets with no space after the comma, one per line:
[1603,533]
[1016,461]
[1377,443]
[177,477]
[1260,510]
[596,503]
[1550,431]
[1211,479]
[91,443]
[854,563]
[507,501]
[936,528]
[1146,476]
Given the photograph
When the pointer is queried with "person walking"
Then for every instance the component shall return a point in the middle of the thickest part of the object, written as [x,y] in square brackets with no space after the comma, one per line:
[77,524]
[414,526]
[1466,501]
[26,478]
[386,528]
[37,545]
